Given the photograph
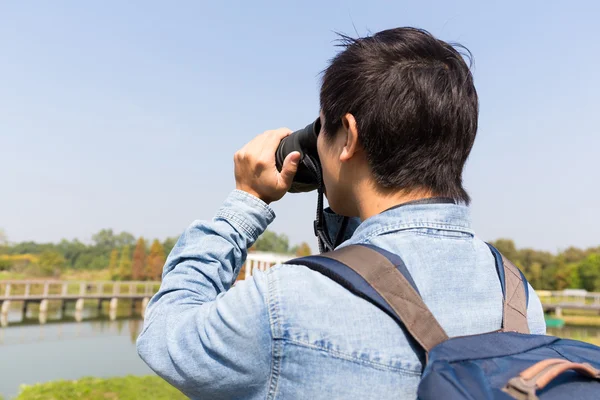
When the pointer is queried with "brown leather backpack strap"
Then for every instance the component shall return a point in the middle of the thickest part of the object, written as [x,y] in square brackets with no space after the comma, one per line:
[514,317]
[395,289]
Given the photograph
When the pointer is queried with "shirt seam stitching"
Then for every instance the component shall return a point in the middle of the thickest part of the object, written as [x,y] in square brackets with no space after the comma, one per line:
[246,196]
[347,357]
[239,222]
[406,226]
[275,345]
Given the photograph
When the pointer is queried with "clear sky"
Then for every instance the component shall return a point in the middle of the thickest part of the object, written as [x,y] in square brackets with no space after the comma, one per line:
[126,114]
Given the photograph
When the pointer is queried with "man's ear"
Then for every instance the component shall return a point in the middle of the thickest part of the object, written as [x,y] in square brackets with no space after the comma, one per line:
[351,147]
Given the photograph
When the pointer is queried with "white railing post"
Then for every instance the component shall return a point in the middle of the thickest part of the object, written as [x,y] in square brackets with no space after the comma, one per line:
[27,287]
[82,288]
[7,290]
[46,288]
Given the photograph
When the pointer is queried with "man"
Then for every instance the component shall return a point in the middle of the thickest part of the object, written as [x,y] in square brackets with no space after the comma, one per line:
[399,115]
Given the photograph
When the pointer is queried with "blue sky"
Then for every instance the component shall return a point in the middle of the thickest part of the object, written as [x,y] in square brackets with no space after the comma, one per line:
[126,115]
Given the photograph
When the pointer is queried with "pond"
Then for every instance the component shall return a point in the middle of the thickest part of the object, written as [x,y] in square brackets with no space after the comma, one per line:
[63,348]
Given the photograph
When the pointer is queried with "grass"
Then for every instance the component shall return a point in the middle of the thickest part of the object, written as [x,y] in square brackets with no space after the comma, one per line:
[9,275]
[125,388]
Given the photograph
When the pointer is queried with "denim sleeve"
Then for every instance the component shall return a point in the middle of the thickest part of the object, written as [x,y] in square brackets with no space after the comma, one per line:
[205,337]
[535,313]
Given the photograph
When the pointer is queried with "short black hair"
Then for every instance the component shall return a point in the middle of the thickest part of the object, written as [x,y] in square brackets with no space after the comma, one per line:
[415,106]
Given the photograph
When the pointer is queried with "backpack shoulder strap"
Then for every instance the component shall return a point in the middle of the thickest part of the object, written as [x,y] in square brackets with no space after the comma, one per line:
[381,278]
[515,292]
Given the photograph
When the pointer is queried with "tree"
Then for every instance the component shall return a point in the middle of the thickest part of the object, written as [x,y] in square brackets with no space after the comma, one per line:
[270,241]
[104,238]
[507,248]
[168,245]
[589,272]
[156,261]
[573,255]
[112,265]
[567,276]
[139,260]
[3,238]
[535,275]
[303,250]
[50,263]
[124,239]
[125,264]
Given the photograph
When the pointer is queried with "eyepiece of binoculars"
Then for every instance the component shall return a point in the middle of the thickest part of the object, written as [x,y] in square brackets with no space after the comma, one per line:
[305,142]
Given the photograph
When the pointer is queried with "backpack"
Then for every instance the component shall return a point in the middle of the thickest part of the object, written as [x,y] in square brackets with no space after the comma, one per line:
[506,364]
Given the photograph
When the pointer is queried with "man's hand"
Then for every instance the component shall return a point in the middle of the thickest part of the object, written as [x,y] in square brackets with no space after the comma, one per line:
[255,169]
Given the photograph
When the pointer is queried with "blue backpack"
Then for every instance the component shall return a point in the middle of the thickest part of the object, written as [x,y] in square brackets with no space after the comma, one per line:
[506,364]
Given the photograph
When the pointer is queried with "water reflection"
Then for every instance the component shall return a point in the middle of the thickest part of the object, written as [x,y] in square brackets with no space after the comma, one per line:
[576,332]
[51,345]
[53,322]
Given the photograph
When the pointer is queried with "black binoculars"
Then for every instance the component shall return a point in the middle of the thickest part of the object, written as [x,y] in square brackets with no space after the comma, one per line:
[305,142]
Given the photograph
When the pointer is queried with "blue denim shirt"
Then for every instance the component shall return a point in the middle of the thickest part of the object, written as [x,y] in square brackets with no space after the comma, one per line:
[292,333]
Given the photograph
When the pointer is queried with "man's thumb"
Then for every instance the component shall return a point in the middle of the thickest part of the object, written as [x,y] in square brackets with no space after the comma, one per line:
[290,166]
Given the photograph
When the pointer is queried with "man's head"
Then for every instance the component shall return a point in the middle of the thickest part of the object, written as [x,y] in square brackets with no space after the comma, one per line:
[399,115]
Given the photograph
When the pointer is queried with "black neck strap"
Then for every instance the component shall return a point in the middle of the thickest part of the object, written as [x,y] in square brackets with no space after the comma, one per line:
[320,228]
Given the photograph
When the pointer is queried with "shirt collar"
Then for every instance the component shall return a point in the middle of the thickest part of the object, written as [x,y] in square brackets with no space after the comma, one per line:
[444,216]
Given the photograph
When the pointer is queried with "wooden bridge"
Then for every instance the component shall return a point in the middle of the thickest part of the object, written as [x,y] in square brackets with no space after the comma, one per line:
[42,292]
[27,292]
[569,299]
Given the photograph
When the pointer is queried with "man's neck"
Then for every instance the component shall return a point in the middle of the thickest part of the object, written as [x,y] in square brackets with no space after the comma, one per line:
[371,201]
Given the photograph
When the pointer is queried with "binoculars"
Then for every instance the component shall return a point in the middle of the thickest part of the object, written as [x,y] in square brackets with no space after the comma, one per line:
[305,142]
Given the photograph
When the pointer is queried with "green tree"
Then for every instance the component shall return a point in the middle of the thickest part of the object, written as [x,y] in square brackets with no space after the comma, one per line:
[112,265]
[139,260]
[104,238]
[50,263]
[589,272]
[168,245]
[507,248]
[125,264]
[124,239]
[573,255]
[567,276]
[72,250]
[156,261]
[271,241]
[5,265]
[535,275]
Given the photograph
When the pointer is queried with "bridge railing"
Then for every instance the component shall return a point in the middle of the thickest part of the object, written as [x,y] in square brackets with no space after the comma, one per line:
[569,296]
[261,261]
[57,288]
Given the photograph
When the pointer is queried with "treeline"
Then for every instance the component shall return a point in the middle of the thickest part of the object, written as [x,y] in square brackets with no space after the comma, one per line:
[126,257]
[123,255]
[573,268]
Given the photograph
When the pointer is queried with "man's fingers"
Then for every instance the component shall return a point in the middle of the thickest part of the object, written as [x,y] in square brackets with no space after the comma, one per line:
[289,168]
[275,136]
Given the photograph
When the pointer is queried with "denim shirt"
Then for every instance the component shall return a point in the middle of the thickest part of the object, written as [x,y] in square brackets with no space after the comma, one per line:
[292,333]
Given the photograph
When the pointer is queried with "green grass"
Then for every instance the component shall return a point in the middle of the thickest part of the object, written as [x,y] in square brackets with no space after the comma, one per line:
[125,388]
